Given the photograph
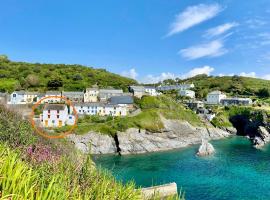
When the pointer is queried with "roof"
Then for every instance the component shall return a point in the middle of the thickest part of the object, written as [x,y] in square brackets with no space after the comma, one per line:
[118,91]
[54,107]
[21,92]
[236,99]
[91,89]
[53,93]
[150,87]
[121,100]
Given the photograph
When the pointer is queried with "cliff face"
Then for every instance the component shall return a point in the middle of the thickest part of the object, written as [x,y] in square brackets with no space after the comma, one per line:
[176,134]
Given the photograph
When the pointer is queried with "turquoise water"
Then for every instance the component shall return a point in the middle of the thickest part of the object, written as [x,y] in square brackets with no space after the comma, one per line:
[236,171]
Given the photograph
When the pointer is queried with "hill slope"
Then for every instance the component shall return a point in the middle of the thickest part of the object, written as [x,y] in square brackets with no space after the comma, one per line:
[41,77]
[234,85]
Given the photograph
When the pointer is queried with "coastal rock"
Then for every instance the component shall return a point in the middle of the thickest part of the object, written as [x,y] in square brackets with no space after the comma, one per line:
[94,143]
[176,134]
[205,149]
[262,139]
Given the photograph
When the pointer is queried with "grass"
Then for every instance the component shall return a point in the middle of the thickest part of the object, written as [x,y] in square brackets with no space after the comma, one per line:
[149,119]
[19,180]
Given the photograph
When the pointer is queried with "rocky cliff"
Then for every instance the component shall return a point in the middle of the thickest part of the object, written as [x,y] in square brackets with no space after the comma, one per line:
[176,134]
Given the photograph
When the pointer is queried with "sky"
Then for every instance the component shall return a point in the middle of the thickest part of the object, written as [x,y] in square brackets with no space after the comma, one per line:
[148,40]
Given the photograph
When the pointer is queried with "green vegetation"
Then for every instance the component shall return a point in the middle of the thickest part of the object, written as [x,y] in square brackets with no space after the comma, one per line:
[149,119]
[233,85]
[34,168]
[42,77]
[224,114]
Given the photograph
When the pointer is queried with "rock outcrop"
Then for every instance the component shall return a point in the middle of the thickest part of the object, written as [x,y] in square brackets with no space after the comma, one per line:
[176,134]
[262,139]
[205,149]
[96,143]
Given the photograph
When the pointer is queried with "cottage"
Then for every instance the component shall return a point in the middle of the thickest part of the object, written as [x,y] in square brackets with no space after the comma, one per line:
[215,97]
[105,94]
[187,93]
[91,94]
[100,109]
[56,115]
[53,97]
[127,101]
[89,108]
[236,101]
[30,96]
[17,97]
[74,96]
[151,90]
[195,105]
[137,91]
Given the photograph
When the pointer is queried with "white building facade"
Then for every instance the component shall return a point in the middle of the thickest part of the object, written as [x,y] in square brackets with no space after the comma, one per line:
[187,93]
[215,97]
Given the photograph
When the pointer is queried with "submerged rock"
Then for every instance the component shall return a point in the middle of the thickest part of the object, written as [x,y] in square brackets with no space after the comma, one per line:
[205,149]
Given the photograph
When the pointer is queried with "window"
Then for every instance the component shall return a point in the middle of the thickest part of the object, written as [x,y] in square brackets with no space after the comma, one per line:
[57,116]
[57,111]
[49,111]
[49,116]
[14,95]
[70,117]
[53,121]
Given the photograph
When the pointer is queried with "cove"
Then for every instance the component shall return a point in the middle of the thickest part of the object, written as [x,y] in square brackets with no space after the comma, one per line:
[236,171]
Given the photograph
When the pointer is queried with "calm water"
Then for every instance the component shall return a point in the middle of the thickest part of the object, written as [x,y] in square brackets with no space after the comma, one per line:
[236,171]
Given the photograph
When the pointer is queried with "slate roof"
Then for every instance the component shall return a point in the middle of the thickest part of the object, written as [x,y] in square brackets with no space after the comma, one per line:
[73,93]
[54,107]
[53,93]
[111,91]
[121,100]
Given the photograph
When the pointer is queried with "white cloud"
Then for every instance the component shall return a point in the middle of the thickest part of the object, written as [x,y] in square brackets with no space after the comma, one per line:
[218,30]
[212,49]
[130,73]
[266,76]
[192,16]
[199,70]
[167,75]
[249,74]
[255,23]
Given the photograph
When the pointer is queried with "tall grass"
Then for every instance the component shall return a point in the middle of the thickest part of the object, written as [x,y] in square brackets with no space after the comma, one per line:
[19,180]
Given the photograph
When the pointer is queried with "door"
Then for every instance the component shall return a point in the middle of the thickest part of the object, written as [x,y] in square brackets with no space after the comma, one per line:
[46,123]
[60,123]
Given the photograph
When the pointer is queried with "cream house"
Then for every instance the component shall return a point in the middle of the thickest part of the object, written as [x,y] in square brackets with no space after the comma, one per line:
[187,93]
[91,94]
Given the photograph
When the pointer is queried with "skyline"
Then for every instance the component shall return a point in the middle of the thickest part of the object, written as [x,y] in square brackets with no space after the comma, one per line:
[147,41]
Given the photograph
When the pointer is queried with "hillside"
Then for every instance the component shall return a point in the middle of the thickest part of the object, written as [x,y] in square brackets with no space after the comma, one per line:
[42,77]
[234,85]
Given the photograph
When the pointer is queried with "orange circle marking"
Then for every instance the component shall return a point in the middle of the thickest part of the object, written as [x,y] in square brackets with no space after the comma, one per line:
[44,133]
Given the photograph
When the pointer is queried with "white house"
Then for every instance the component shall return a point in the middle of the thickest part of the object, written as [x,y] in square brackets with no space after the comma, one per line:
[137,90]
[236,101]
[17,97]
[151,90]
[100,109]
[91,94]
[56,115]
[215,97]
[187,93]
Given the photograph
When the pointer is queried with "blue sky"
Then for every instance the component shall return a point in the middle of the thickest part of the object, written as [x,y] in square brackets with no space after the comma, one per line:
[147,40]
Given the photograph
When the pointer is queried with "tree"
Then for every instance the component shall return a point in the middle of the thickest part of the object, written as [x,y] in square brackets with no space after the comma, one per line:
[264,92]
[32,80]
[77,77]
[55,83]
[4,58]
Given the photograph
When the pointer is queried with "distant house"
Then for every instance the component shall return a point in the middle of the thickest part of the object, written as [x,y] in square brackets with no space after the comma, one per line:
[17,97]
[187,93]
[137,91]
[194,105]
[151,90]
[56,115]
[100,109]
[236,101]
[175,87]
[53,97]
[74,96]
[105,94]
[215,97]
[127,101]
[30,96]
[91,94]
